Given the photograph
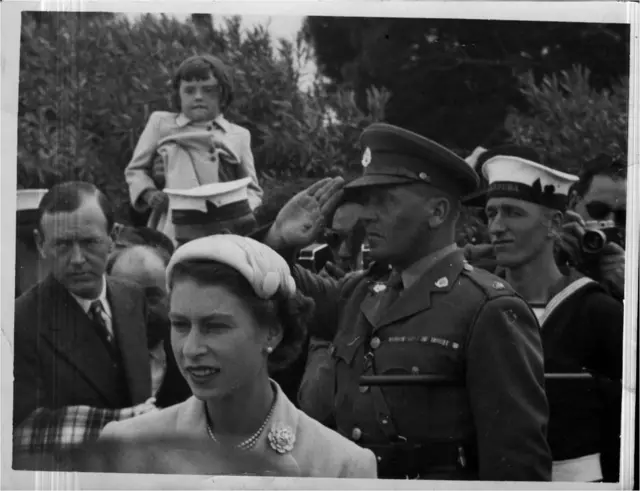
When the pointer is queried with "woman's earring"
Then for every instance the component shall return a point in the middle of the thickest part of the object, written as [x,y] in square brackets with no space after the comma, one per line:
[269,349]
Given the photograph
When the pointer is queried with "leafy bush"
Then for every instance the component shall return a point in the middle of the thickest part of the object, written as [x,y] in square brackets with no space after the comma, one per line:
[88,83]
[569,122]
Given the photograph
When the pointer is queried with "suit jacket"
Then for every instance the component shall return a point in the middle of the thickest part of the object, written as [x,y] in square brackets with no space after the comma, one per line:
[455,321]
[201,165]
[317,451]
[59,359]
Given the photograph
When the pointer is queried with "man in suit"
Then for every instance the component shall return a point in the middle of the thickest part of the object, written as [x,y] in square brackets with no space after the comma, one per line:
[433,314]
[80,356]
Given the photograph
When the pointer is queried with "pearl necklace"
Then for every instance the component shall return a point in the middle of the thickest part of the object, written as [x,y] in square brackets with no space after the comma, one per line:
[249,442]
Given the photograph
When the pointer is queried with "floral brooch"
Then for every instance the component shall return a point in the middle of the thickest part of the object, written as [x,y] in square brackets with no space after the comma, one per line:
[281,438]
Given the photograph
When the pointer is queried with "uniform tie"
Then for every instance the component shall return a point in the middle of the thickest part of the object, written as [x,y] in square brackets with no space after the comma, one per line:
[97,313]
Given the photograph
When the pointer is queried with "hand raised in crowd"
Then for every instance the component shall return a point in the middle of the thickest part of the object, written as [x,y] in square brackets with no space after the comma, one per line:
[157,199]
[301,220]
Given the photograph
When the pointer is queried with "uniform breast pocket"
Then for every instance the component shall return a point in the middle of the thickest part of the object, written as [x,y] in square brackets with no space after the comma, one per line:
[433,407]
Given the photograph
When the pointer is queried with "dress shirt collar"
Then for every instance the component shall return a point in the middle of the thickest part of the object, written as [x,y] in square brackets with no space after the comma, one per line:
[85,304]
[418,269]
[182,120]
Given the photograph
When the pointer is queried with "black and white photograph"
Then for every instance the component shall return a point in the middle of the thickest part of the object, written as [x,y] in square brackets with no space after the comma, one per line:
[371,247]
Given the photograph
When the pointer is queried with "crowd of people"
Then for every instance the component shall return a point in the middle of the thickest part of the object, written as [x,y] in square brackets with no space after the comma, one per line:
[199,344]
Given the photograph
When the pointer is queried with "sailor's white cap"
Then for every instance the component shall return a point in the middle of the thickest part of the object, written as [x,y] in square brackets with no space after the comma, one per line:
[29,199]
[217,193]
[511,175]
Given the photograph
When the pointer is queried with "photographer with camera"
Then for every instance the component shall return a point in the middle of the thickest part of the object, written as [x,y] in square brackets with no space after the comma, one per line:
[594,230]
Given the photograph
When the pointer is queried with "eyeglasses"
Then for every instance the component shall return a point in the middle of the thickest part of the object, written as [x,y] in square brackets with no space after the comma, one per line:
[600,211]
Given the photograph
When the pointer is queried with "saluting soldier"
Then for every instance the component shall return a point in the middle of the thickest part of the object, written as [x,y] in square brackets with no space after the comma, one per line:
[433,314]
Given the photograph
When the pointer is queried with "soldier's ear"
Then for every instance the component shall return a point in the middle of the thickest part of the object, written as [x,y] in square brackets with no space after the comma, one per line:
[441,208]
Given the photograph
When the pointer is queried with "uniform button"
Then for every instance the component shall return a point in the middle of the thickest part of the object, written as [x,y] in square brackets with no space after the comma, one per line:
[356,434]
[379,458]
[384,421]
[375,343]
[364,389]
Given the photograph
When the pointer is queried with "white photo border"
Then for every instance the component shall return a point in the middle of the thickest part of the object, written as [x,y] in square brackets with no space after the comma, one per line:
[588,11]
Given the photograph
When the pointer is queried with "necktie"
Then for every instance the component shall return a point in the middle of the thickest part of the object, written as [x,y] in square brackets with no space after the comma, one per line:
[97,313]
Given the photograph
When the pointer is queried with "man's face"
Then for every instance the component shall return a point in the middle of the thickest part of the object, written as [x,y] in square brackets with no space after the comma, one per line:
[76,244]
[200,99]
[606,199]
[345,237]
[518,229]
[395,222]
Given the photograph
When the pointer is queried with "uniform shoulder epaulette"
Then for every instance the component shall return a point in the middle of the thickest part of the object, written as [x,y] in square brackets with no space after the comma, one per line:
[493,286]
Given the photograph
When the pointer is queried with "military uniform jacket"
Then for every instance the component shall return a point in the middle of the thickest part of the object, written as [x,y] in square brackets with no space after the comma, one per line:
[455,321]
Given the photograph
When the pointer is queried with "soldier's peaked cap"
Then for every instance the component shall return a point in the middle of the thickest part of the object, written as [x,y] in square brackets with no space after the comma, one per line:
[393,155]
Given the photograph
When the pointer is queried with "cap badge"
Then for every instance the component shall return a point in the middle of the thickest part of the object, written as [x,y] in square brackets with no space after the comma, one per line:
[281,438]
[498,285]
[442,282]
[366,157]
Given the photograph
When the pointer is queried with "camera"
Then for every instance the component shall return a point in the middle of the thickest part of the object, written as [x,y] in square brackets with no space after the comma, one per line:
[598,234]
[315,256]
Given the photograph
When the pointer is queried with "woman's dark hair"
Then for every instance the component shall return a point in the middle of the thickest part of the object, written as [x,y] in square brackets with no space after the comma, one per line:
[201,67]
[292,313]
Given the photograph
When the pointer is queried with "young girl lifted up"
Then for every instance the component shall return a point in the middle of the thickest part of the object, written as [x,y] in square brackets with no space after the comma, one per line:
[191,148]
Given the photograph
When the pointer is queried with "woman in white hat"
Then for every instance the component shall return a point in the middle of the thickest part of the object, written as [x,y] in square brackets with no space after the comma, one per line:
[235,314]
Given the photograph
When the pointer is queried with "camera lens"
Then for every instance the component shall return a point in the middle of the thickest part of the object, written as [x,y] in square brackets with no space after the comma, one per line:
[593,241]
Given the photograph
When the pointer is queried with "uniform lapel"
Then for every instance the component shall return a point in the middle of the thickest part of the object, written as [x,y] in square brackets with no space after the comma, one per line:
[132,341]
[67,328]
[417,298]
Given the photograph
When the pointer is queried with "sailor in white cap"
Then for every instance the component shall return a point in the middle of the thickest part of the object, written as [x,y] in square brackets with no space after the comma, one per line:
[29,268]
[237,314]
[581,324]
[211,209]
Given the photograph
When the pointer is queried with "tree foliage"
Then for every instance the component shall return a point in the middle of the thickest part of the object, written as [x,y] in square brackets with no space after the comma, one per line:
[570,122]
[456,80]
[88,83]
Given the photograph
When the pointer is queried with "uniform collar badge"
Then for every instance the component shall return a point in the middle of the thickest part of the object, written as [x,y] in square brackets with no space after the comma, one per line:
[442,282]
[281,438]
[498,285]
[366,157]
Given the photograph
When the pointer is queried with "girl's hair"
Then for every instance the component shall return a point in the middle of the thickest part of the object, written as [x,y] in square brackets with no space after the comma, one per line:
[201,67]
[292,313]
